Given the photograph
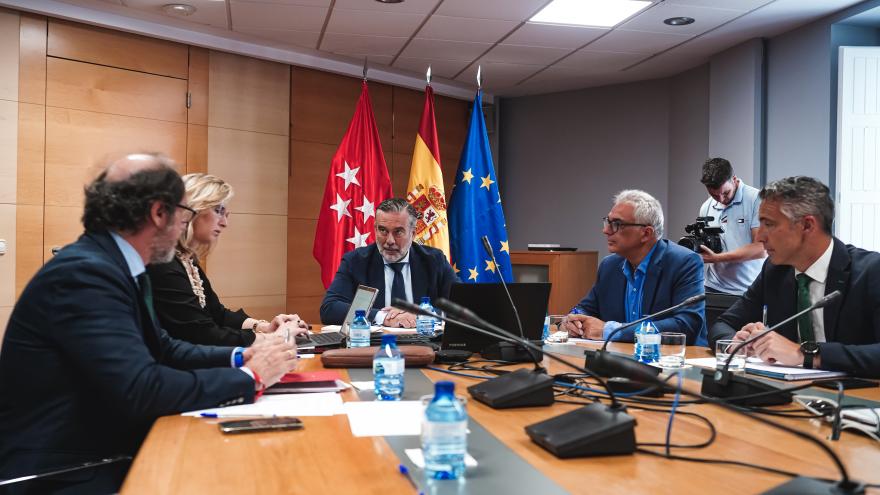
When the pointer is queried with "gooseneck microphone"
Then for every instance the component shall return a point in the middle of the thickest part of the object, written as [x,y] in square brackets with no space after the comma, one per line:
[724,384]
[488,248]
[663,312]
[722,375]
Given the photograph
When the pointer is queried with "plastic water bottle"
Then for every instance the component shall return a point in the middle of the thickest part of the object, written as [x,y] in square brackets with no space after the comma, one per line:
[647,348]
[359,330]
[444,434]
[425,325]
[546,333]
[388,366]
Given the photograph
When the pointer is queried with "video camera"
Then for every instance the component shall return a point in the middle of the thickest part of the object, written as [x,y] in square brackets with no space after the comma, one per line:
[701,235]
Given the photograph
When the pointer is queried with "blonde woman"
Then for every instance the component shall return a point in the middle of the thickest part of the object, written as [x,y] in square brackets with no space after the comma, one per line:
[187,306]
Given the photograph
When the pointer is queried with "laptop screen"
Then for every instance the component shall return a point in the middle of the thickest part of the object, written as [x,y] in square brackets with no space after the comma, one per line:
[363,299]
[490,302]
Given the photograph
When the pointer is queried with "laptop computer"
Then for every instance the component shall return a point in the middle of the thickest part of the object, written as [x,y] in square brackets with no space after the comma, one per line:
[490,303]
[317,342]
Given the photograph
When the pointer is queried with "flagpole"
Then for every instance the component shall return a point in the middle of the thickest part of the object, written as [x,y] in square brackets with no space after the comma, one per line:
[428,76]
[365,69]
[479,77]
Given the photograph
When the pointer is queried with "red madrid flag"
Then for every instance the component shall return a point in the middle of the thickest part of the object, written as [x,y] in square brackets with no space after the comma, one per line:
[358,181]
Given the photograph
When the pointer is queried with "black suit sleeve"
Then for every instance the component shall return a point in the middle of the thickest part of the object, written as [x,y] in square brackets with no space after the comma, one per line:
[340,294]
[183,317]
[98,330]
[447,276]
[748,309]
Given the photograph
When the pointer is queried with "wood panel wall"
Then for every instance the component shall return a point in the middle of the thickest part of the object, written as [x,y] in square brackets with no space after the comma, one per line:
[74,96]
[321,107]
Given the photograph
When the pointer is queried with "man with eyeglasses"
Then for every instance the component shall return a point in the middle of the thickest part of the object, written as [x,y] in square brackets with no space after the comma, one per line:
[394,265]
[644,274]
[85,368]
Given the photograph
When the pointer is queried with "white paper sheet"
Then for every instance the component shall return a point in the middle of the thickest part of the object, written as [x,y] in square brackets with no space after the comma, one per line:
[418,458]
[758,367]
[385,418]
[317,404]
[364,385]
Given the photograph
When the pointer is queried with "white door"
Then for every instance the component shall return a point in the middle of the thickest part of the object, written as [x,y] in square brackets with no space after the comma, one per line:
[858,147]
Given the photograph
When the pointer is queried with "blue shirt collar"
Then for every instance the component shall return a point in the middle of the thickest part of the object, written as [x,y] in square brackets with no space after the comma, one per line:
[642,269]
[132,258]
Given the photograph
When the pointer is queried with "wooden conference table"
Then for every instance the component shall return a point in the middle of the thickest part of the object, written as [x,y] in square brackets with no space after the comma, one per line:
[190,455]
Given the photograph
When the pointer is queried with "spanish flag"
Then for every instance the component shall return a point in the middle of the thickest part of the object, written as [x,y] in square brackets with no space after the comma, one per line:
[425,189]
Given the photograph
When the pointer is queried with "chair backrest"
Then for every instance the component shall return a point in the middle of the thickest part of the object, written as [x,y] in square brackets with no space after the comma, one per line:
[716,304]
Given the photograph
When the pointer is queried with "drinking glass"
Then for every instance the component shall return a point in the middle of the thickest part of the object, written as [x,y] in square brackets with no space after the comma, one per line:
[723,348]
[672,348]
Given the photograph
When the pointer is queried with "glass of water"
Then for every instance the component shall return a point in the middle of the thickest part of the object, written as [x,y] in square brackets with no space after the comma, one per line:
[723,348]
[672,347]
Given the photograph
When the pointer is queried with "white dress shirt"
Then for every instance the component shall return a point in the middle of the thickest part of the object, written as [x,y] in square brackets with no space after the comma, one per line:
[389,282]
[818,272]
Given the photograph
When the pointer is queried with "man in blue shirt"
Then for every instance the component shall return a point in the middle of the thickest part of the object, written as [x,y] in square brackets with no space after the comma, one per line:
[644,274]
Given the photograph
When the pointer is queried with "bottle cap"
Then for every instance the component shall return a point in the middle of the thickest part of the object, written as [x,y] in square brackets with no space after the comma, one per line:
[389,338]
[426,300]
[358,313]
[444,388]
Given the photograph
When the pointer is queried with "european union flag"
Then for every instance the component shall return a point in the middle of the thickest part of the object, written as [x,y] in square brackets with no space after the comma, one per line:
[475,210]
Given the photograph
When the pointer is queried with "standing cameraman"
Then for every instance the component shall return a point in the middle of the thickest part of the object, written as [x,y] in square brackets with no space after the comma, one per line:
[734,206]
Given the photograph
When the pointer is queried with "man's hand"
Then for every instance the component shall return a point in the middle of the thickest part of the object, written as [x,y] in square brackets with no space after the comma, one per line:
[396,318]
[709,256]
[776,349]
[583,326]
[271,358]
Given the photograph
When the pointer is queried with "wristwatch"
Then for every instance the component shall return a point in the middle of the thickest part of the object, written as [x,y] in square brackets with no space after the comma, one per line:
[810,350]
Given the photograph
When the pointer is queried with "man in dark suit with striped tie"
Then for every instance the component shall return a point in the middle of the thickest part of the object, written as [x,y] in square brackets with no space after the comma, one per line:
[85,368]
[394,265]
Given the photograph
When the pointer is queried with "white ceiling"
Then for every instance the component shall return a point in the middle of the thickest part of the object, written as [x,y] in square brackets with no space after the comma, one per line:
[517,58]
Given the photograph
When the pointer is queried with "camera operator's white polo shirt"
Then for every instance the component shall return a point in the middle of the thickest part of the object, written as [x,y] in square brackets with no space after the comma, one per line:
[737,219]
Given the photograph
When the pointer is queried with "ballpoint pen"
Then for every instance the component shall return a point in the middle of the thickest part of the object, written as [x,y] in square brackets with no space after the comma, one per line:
[764,316]
[405,471]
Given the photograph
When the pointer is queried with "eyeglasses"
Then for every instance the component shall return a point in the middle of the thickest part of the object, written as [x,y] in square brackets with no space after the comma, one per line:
[189,215]
[221,211]
[615,225]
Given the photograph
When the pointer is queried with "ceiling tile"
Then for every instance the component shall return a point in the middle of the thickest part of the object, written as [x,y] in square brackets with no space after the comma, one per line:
[207,12]
[445,50]
[704,19]
[498,74]
[407,7]
[371,59]
[302,3]
[595,62]
[512,10]
[620,40]
[277,16]
[441,27]
[741,5]
[439,68]
[352,43]
[307,39]
[519,54]
[552,36]
[368,22]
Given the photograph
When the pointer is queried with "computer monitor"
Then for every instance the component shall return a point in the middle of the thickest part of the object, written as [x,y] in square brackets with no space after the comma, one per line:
[490,303]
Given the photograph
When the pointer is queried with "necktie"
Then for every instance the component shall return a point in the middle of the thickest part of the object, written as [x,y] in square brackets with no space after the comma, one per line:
[147,293]
[805,322]
[398,289]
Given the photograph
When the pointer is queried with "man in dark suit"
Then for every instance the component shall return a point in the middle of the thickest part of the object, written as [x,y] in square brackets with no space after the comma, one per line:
[394,265]
[806,263]
[644,274]
[84,368]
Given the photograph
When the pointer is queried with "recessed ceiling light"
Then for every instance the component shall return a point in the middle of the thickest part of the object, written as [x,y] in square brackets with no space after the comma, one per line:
[180,9]
[390,1]
[599,13]
[679,21]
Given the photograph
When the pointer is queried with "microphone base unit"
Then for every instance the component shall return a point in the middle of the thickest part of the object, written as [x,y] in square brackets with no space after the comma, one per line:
[620,385]
[811,486]
[506,351]
[520,388]
[593,430]
[739,386]
[606,365]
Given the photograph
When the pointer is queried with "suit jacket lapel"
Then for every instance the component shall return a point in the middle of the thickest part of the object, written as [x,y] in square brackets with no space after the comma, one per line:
[376,276]
[418,275]
[837,278]
[652,279]
[149,327]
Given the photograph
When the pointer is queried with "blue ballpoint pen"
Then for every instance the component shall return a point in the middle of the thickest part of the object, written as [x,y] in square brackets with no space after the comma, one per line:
[405,471]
